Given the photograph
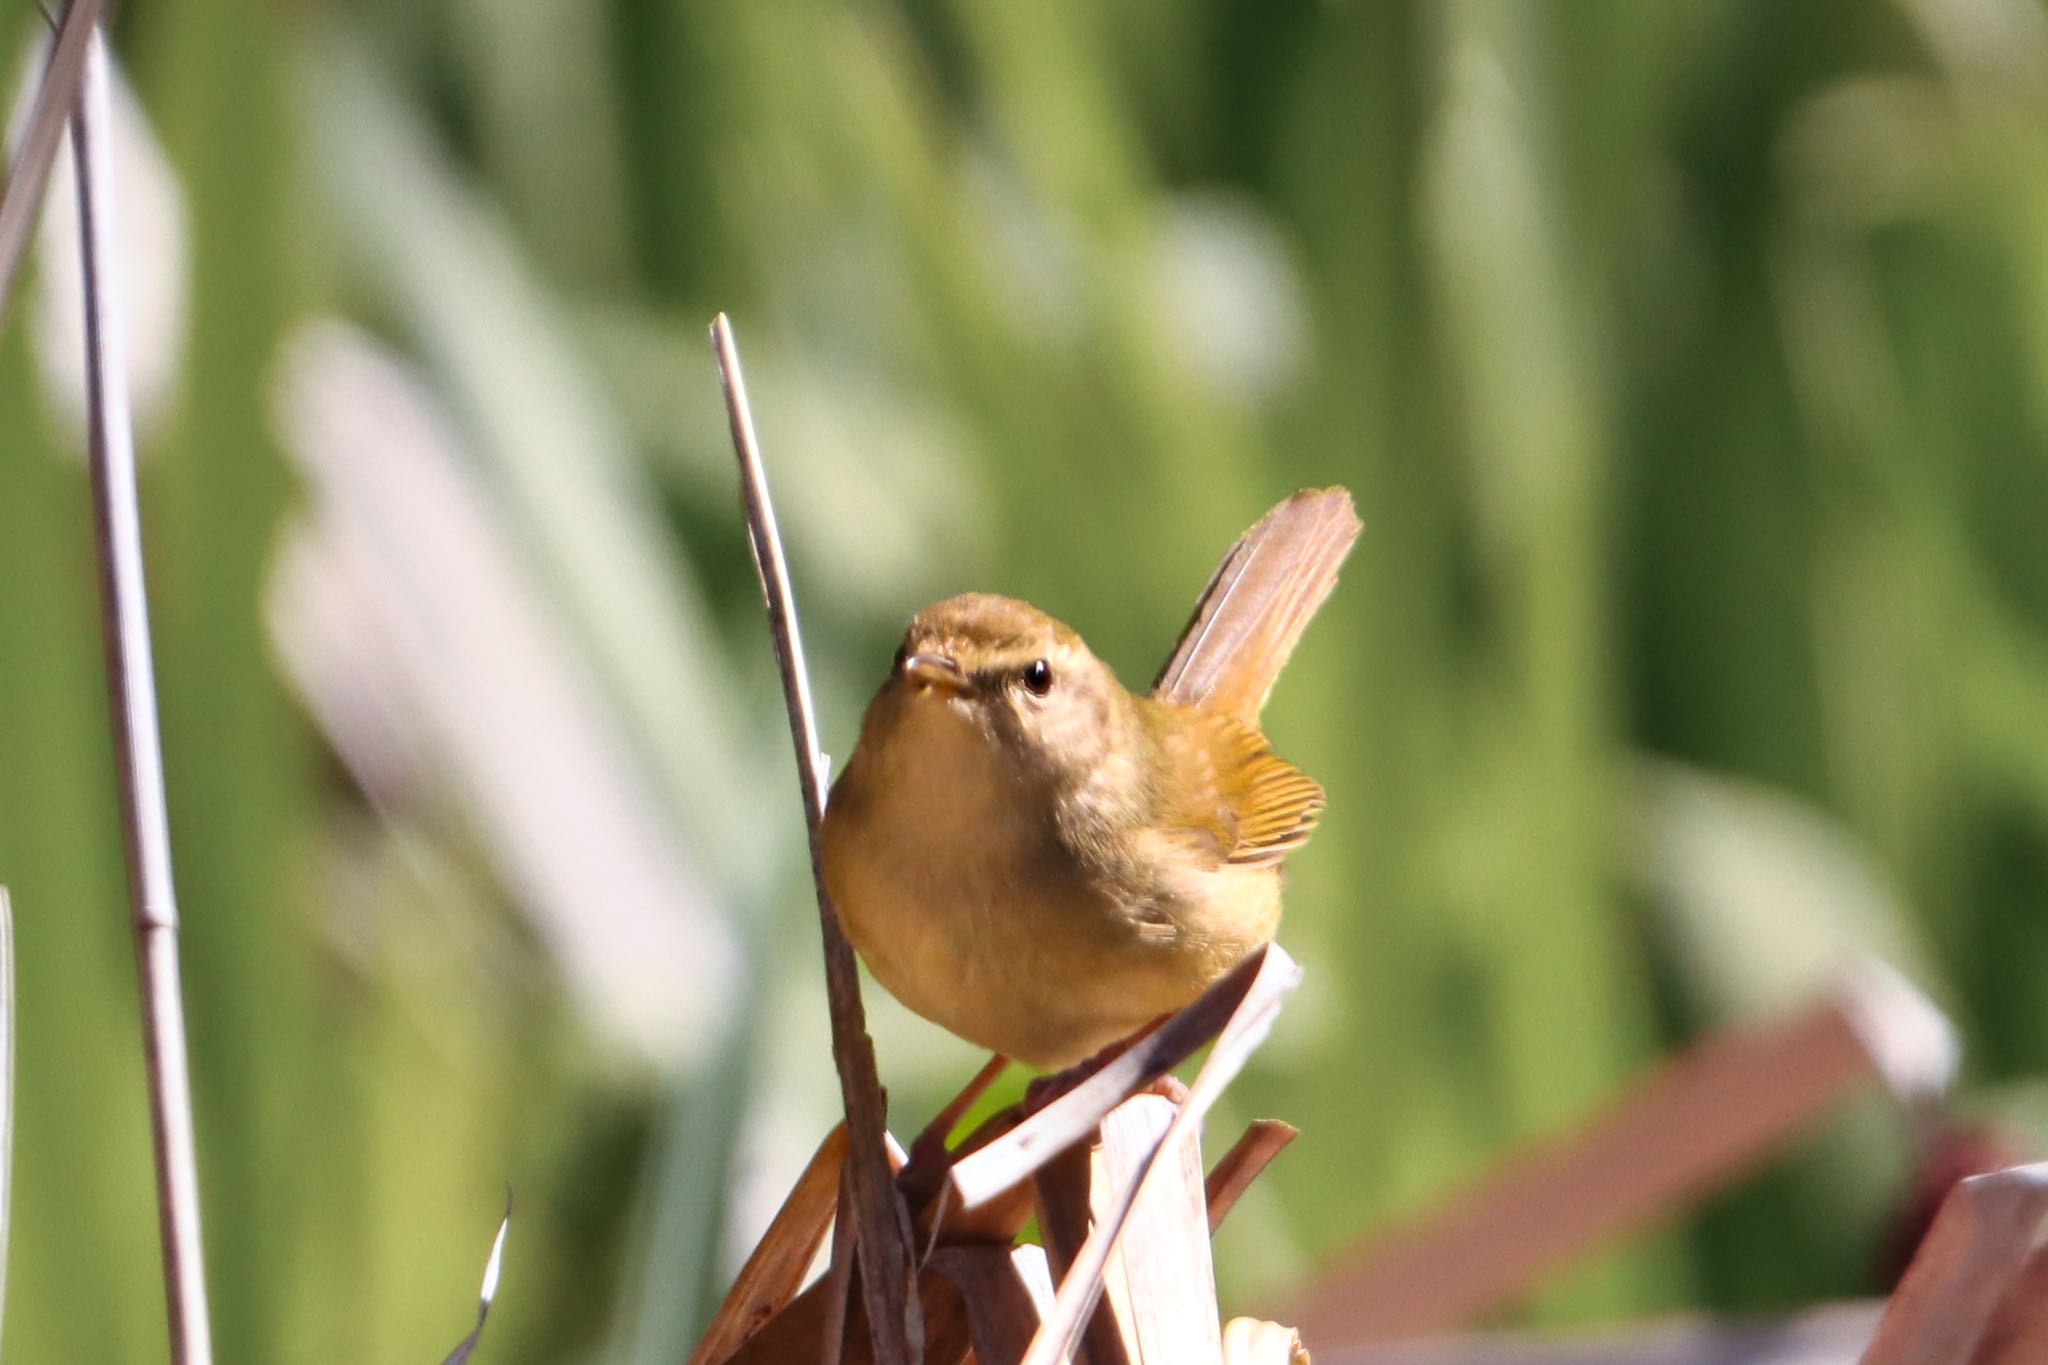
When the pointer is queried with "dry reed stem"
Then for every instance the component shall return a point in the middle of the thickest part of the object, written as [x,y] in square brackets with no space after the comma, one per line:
[56,98]
[1689,1128]
[2018,1333]
[934,1134]
[132,694]
[1237,1168]
[882,1237]
[833,1288]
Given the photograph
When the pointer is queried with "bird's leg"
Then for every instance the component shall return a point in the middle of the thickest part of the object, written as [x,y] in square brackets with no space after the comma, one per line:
[1043,1090]
[928,1154]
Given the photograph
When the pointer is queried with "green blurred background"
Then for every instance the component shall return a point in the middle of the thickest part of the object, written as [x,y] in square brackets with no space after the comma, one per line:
[1689,363]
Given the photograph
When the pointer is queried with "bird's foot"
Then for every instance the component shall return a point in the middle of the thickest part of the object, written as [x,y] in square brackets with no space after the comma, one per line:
[1043,1090]
[930,1158]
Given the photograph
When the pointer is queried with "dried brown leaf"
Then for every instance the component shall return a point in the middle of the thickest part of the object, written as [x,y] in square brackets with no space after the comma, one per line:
[1689,1128]
[1159,1281]
[1966,1266]
[775,1271]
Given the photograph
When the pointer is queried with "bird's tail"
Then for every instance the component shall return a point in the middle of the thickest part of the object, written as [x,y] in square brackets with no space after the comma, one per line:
[1258,603]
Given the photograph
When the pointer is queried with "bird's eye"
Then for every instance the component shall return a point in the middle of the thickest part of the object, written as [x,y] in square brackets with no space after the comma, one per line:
[902,654]
[1038,677]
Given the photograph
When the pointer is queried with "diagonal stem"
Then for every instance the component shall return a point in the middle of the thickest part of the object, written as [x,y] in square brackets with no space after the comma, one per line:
[882,1227]
[22,195]
[138,754]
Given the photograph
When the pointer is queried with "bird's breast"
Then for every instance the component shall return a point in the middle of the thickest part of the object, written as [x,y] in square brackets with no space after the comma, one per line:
[946,862]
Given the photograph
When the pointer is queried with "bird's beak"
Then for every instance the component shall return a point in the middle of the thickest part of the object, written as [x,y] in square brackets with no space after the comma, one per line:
[934,670]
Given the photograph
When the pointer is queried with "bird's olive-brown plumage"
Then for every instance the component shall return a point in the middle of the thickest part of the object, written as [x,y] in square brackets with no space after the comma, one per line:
[1032,856]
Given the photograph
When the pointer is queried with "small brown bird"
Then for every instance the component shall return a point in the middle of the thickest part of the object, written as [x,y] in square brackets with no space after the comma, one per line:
[1042,862]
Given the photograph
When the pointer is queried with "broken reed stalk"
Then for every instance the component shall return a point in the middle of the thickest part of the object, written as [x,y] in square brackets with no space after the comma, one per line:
[1274,975]
[138,754]
[1246,1160]
[1960,1278]
[881,1227]
[973,1215]
[22,197]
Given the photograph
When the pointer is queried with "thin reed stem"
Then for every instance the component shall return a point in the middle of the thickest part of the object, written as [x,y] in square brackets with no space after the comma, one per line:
[131,685]
[29,176]
[882,1227]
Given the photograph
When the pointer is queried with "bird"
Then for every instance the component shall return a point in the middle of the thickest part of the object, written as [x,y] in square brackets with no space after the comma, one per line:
[1043,862]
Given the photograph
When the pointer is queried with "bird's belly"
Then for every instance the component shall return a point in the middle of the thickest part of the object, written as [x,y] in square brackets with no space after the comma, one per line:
[989,933]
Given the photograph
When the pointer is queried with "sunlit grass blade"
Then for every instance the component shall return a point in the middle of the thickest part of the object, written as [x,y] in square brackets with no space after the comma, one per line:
[466,1348]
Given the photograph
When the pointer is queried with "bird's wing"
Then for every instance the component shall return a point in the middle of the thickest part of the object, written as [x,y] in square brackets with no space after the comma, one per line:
[1235,795]
[1258,603]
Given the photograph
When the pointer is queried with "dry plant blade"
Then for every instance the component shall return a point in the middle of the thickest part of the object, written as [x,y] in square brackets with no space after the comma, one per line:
[1160,1282]
[813,1328]
[2019,1330]
[775,1271]
[1235,1171]
[1966,1265]
[1275,976]
[831,1291]
[1690,1128]
[138,753]
[29,176]
[881,1226]
[935,1133]
[1007,1291]
[1013,1157]
[1062,1187]
[493,1264]
[999,1221]
[929,1157]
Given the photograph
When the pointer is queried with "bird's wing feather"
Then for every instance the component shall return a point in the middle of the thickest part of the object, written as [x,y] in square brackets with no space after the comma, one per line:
[1236,795]
[1258,603]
